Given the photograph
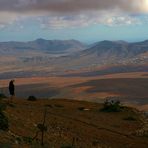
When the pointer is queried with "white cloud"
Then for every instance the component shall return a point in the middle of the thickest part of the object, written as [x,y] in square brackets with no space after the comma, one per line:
[57,14]
[120,21]
[7,18]
[2,26]
[84,20]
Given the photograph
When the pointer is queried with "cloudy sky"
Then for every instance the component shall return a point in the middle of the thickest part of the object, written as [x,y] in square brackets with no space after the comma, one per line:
[84,20]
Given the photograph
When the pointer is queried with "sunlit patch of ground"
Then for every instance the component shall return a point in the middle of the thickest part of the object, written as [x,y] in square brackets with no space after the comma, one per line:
[65,81]
[105,86]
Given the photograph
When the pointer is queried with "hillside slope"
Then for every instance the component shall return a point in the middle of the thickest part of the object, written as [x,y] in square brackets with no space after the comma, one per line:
[68,124]
[50,57]
[108,53]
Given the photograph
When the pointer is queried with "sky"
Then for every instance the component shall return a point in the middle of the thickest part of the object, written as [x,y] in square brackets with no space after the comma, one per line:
[85,20]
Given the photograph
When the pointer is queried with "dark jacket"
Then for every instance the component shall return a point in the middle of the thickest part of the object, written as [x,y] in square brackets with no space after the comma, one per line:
[11,88]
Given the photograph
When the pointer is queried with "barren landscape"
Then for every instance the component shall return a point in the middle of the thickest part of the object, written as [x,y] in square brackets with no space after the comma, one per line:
[73,124]
[73,73]
[129,88]
[73,83]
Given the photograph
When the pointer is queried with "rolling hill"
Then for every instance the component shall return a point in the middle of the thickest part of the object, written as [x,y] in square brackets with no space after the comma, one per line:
[46,57]
[111,52]
[72,124]
[41,45]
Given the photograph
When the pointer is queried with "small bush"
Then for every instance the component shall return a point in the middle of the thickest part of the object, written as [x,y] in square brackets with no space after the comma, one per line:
[2,106]
[3,122]
[112,106]
[81,108]
[32,98]
[28,140]
[3,119]
[95,143]
[48,105]
[2,96]
[130,118]
[42,127]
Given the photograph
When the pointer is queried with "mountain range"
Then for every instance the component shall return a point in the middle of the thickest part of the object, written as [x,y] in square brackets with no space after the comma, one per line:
[62,55]
[48,46]
[118,52]
[108,53]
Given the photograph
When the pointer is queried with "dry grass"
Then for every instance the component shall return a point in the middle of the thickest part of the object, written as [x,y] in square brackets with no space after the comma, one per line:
[65,122]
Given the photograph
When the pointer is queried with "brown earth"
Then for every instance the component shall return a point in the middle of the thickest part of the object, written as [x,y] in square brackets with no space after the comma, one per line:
[65,81]
[67,123]
[130,87]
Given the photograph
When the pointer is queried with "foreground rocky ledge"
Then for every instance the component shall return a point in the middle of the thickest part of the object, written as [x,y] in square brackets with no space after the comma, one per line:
[72,123]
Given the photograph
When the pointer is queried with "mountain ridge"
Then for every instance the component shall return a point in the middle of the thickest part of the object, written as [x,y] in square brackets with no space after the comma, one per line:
[42,44]
[60,55]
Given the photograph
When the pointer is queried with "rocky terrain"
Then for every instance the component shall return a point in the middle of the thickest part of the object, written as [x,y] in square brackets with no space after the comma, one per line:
[72,124]
[54,57]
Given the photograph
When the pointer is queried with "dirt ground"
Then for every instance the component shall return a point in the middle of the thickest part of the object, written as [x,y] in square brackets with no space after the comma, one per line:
[70,122]
[131,88]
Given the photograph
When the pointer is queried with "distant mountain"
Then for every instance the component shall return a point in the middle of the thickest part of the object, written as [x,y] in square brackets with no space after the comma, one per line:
[51,56]
[49,46]
[111,52]
[117,49]
[57,46]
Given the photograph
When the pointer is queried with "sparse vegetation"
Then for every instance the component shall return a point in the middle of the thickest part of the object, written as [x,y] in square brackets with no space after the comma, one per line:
[2,106]
[2,96]
[32,98]
[130,118]
[48,105]
[3,119]
[112,106]
[28,140]
[95,143]
[68,127]
[42,128]
[81,108]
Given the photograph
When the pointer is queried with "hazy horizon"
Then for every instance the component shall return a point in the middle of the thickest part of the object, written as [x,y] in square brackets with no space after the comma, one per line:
[85,42]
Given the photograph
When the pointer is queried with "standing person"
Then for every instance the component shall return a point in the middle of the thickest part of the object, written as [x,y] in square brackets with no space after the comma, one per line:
[11,90]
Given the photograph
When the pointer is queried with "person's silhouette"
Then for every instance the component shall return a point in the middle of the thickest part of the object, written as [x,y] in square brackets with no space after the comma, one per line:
[11,90]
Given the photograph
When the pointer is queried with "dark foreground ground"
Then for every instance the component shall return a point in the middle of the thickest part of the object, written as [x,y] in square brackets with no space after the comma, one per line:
[76,123]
